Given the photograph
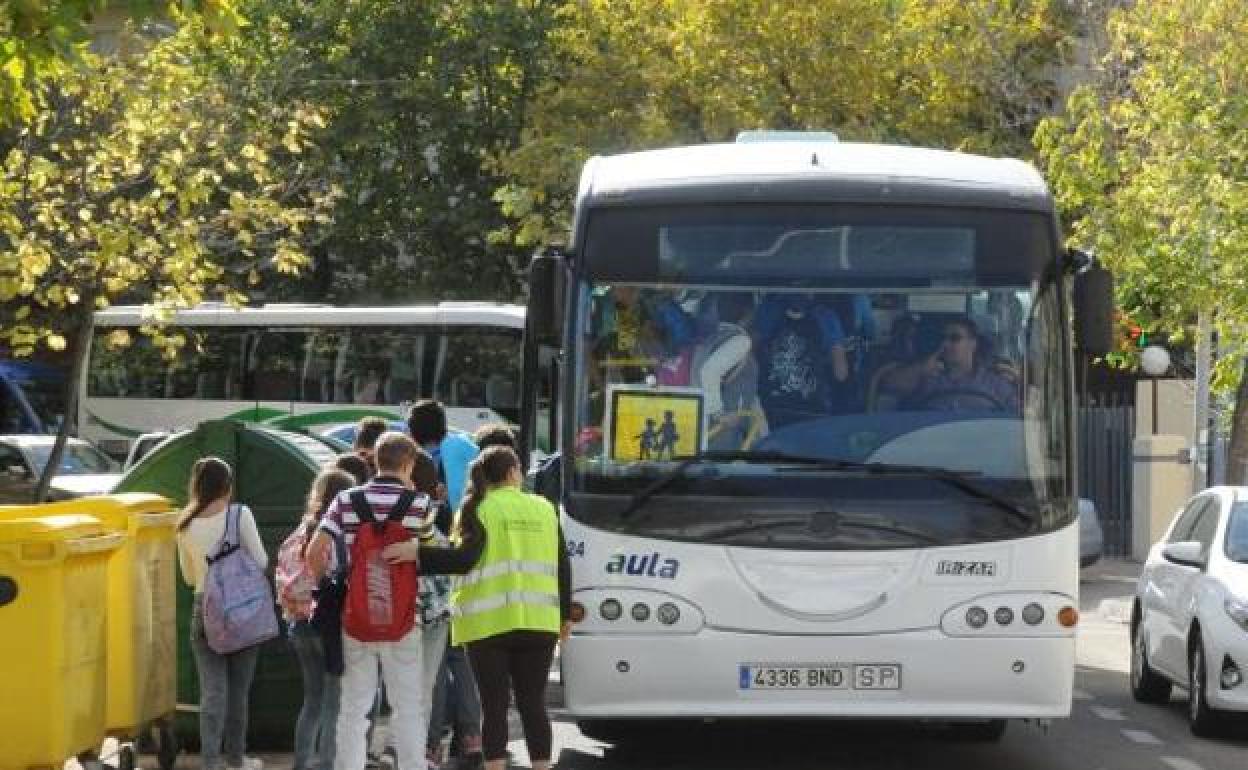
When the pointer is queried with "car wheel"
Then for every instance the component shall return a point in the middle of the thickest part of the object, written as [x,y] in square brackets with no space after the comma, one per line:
[1203,720]
[1147,686]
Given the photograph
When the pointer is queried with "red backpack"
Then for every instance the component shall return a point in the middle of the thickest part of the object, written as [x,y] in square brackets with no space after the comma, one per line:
[382,598]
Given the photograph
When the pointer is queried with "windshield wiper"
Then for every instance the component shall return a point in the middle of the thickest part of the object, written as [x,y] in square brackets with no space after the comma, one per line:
[677,471]
[957,479]
[836,522]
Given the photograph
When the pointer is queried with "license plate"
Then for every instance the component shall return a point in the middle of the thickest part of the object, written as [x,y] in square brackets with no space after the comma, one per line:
[819,676]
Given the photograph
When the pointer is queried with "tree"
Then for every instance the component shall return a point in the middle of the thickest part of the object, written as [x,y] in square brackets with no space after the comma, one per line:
[962,74]
[1149,166]
[41,39]
[419,98]
[162,177]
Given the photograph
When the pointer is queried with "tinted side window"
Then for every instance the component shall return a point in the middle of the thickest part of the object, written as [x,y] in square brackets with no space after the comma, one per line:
[1237,534]
[274,365]
[1183,529]
[1205,526]
[11,458]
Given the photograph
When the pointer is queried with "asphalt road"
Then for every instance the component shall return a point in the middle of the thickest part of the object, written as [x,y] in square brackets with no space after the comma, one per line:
[1107,729]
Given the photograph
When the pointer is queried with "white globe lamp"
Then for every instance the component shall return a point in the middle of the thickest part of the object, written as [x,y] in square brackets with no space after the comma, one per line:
[1155,360]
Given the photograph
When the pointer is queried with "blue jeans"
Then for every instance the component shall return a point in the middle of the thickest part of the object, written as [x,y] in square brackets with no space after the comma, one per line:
[224,683]
[455,701]
[314,730]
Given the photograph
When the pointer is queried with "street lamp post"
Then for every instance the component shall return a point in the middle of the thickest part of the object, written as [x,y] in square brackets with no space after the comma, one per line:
[1155,362]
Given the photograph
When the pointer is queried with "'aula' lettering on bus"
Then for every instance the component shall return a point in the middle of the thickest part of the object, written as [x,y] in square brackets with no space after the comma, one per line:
[645,565]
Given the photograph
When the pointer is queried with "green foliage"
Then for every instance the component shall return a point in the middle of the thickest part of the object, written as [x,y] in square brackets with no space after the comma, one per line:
[419,98]
[41,39]
[635,74]
[1149,166]
[151,178]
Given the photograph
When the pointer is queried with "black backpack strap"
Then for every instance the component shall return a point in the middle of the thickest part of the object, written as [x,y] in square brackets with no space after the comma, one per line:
[359,504]
[402,506]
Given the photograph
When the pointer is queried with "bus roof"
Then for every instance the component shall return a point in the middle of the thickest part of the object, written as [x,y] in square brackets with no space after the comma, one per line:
[222,314]
[812,171]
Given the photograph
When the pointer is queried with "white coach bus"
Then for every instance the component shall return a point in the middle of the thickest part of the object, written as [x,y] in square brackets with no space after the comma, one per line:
[302,366]
[817,435]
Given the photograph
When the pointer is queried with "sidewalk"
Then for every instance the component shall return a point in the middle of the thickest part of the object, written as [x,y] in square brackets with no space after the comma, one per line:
[1106,590]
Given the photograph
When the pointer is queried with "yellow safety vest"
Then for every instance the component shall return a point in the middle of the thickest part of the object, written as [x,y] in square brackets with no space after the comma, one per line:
[515,584]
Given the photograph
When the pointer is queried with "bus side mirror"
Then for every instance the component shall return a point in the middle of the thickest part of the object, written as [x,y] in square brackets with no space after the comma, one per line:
[1094,305]
[547,279]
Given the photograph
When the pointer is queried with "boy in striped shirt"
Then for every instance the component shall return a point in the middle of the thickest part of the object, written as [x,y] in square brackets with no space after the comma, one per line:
[401,662]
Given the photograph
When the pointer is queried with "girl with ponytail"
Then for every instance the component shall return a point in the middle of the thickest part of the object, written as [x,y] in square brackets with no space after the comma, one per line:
[224,680]
[509,544]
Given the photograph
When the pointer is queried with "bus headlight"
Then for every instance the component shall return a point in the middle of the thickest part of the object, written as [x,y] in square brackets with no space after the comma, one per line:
[668,614]
[610,609]
[1043,614]
[640,612]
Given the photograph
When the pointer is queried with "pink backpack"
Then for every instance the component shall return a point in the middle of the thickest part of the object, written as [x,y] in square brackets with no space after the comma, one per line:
[238,604]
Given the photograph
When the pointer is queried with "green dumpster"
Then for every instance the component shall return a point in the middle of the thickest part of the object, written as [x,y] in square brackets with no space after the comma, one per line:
[273,471]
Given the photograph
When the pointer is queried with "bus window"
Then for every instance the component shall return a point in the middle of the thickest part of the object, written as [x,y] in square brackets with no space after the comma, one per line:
[478,367]
[320,359]
[136,370]
[276,357]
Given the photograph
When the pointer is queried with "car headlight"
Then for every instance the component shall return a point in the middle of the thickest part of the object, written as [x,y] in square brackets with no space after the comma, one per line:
[1238,612]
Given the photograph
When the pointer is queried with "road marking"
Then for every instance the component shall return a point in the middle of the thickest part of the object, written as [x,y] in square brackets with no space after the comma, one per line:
[1081,695]
[1180,763]
[1111,715]
[1142,736]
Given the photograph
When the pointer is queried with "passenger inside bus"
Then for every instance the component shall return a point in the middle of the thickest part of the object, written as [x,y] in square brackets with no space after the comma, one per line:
[725,368]
[804,370]
[962,374]
[634,330]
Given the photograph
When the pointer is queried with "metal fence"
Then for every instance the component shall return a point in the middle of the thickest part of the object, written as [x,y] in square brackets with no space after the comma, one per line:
[1105,437]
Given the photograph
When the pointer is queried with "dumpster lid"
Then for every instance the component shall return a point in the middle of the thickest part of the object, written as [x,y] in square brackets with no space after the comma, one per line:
[112,508]
[49,528]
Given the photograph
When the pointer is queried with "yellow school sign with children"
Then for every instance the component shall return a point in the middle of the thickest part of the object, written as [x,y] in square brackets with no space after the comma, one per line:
[654,424]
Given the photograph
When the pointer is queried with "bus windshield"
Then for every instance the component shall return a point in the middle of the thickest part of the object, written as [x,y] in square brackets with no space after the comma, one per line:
[870,385]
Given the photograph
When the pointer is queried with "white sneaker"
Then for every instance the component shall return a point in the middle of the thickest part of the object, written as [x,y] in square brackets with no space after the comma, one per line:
[249,763]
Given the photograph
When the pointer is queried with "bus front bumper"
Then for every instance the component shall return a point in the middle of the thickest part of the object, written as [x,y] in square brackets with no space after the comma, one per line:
[911,675]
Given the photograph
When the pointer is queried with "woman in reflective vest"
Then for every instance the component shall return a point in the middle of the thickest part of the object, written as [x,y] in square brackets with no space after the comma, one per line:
[512,604]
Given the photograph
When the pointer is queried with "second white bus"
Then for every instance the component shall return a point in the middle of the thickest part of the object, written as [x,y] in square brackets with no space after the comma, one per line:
[301,366]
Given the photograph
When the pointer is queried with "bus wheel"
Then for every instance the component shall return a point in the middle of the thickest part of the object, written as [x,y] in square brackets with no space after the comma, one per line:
[988,731]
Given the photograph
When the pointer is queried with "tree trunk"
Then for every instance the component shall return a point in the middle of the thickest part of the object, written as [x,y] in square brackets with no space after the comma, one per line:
[1237,455]
[80,346]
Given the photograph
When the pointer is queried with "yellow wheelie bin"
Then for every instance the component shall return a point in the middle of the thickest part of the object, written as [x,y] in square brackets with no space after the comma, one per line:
[53,637]
[142,616]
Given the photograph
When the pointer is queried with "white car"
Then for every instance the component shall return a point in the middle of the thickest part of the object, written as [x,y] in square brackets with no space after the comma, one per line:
[1189,623]
[84,469]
